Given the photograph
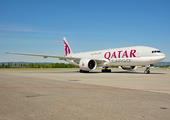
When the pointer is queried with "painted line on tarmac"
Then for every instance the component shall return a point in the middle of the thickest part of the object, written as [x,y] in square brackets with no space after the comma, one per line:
[73,80]
[90,88]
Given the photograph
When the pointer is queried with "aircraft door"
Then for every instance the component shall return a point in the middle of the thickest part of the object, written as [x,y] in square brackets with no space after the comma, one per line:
[138,53]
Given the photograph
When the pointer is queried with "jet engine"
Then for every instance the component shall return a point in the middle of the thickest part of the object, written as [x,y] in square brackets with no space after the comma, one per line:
[129,67]
[87,64]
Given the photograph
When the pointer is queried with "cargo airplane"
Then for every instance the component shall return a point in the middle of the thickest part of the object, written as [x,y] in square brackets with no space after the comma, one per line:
[128,58]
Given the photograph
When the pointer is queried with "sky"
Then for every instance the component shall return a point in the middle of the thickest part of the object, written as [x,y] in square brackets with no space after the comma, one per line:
[38,26]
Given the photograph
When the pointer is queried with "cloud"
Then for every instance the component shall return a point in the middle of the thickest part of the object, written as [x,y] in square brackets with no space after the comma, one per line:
[34,31]
[27,30]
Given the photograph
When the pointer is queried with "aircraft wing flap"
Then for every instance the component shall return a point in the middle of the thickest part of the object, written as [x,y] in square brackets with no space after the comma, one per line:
[46,56]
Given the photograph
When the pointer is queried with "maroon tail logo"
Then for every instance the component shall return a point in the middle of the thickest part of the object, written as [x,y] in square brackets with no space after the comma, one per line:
[67,49]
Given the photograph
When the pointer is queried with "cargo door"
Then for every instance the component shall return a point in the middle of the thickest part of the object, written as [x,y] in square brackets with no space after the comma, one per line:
[138,54]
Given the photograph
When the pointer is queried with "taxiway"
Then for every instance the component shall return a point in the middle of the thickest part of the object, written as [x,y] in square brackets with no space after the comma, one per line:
[66,94]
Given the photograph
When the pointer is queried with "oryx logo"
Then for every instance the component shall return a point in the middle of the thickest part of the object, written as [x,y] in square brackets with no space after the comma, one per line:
[82,64]
[67,49]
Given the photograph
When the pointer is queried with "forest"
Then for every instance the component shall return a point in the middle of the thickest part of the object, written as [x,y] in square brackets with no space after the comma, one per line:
[38,65]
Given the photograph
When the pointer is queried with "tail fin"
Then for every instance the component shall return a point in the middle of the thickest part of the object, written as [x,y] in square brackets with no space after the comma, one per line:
[67,48]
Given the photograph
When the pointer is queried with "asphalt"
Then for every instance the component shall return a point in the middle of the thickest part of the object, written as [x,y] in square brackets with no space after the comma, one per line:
[66,94]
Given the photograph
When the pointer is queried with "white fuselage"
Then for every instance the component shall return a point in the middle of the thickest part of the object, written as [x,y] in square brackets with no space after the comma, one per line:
[128,56]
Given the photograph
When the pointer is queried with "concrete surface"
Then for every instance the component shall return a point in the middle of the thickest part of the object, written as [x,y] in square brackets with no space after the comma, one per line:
[66,94]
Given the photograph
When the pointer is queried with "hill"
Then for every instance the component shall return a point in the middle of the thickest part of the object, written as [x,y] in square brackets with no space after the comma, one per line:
[162,63]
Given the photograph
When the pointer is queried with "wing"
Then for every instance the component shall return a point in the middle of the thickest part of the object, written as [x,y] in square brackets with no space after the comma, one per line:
[46,56]
[99,61]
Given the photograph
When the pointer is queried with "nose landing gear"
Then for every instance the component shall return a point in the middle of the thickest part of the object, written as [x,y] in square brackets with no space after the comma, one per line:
[147,71]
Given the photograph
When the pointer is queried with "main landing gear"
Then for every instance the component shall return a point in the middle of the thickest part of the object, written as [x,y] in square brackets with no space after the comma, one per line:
[106,69]
[82,71]
[147,71]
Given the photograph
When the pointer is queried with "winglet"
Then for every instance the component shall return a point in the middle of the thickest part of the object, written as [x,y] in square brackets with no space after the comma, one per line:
[67,48]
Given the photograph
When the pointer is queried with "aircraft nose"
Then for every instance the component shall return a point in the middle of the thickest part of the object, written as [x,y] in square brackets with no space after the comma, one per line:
[163,56]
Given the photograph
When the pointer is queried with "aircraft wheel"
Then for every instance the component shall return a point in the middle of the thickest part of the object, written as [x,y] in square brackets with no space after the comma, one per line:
[82,71]
[147,71]
[106,70]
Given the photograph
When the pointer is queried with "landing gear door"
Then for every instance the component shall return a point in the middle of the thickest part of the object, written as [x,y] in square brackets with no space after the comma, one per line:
[138,54]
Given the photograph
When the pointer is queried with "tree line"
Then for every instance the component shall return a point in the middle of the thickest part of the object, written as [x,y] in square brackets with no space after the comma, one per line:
[165,66]
[51,65]
[38,65]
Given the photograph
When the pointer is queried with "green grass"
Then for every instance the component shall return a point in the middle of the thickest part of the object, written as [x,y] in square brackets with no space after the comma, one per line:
[6,69]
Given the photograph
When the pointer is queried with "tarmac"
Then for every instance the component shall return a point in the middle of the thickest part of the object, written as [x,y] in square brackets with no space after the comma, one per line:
[66,94]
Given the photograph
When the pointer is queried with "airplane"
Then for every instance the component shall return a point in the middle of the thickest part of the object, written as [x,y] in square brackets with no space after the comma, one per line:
[128,58]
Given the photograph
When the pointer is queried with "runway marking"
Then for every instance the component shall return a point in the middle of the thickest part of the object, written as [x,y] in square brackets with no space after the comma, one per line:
[91,88]
[73,80]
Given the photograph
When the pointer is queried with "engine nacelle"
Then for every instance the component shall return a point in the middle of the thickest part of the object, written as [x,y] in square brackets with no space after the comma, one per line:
[129,67]
[87,64]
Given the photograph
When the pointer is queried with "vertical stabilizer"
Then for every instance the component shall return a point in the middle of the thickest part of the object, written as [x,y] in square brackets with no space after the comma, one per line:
[67,48]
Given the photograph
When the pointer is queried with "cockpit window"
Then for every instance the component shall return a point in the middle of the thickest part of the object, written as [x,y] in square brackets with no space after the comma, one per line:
[156,51]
